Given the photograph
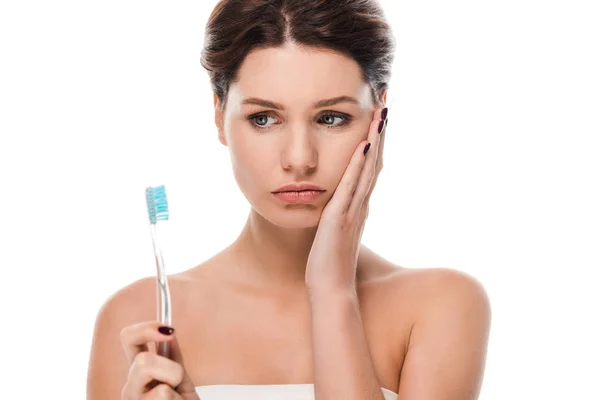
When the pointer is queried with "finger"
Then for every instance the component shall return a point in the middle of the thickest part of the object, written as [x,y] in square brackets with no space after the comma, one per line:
[162,392]
[147,369]
[380,150]
[365,178]
[378,163]
[340,201]
[135,338]
[185,385]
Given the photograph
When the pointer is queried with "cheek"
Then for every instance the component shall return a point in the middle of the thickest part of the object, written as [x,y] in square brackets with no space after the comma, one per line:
[339,158]
[249,181]
[244,147]
[251,164]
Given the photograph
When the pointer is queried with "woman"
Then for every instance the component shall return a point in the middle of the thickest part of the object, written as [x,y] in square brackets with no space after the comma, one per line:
[296,307]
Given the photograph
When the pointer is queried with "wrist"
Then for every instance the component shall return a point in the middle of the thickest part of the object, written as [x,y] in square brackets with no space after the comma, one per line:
[329,294]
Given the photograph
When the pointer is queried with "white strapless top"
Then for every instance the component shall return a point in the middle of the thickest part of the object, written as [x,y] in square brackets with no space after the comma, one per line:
[297,391]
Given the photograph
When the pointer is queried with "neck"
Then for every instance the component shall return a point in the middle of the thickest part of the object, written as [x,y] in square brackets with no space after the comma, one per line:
[270,255]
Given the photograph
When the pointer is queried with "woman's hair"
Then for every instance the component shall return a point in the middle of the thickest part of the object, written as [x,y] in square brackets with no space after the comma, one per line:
[355,28]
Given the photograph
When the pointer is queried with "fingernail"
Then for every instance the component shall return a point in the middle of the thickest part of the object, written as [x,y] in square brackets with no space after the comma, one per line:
[367,147]
[166,330]
[384,113]
[380,126]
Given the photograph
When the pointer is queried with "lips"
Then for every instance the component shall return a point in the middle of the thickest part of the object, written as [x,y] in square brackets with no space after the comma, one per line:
[299,187]
[299,197]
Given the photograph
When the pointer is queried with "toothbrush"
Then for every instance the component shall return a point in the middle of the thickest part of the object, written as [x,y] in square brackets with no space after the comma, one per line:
[156,200]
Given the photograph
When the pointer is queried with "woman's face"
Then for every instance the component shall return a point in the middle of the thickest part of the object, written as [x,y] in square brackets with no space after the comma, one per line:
[293,139]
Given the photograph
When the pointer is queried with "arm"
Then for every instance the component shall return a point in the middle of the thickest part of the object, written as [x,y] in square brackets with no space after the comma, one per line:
[108,367]
[343,368]
[448,344]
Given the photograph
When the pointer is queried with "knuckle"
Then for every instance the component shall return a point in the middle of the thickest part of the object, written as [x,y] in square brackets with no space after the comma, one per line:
[143,359]
[179,372]
[164,391]
[123,334]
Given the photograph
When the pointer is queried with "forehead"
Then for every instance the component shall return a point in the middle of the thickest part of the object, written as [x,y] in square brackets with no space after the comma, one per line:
[298,77]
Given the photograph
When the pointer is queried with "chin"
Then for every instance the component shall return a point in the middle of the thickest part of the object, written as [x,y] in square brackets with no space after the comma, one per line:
[296,216]
[295,224]
[291,216]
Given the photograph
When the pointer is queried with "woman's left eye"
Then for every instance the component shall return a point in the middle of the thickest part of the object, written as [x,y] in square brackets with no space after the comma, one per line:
[345,119]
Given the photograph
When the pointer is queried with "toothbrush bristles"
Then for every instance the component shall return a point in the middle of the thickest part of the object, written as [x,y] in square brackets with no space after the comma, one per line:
[156,200]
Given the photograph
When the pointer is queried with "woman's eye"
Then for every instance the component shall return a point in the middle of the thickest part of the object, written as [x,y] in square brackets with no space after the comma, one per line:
[332,117]
[261,120]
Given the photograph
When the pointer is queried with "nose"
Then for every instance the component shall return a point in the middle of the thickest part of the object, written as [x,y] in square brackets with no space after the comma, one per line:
[299,153]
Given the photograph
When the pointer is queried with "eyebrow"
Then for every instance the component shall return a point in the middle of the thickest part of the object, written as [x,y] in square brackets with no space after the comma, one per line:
[318,104]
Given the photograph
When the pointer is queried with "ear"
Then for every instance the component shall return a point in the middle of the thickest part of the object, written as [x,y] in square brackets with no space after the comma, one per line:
[219,119]
[384,96]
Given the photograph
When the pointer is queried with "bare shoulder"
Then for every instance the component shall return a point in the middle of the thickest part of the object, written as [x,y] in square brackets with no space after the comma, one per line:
[440,323]
[452,299]
[440,290]
[425,282]
[133,301]
[108,367]
[437,284]
[415,292]
[449,333]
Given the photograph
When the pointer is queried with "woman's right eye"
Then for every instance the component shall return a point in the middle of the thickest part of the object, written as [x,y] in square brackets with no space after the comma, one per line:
[260,120]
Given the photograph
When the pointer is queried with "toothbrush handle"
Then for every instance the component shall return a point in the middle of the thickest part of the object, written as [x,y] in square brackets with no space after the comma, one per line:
[164,312]
[163,296]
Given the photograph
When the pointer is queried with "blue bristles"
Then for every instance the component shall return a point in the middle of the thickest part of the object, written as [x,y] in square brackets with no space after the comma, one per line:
[156,199]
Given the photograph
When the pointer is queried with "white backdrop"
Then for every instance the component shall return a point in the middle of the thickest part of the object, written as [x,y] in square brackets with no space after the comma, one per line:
[491,167]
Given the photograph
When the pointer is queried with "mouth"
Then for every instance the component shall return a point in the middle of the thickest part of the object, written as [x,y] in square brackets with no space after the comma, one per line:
[299,187]
[298,191]
[298,196]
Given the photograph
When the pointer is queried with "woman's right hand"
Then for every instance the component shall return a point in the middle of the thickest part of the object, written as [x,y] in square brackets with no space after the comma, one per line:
[152,376]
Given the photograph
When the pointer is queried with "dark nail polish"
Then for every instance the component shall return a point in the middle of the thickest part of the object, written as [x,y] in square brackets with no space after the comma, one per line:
[367,147]
[166,330]
[380,126]
[384,113]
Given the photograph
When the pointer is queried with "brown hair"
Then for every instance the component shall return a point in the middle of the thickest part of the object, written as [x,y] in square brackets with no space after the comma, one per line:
[355,28]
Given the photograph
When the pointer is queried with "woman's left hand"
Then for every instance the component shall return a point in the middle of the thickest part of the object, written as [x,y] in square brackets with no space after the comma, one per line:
[331,263]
